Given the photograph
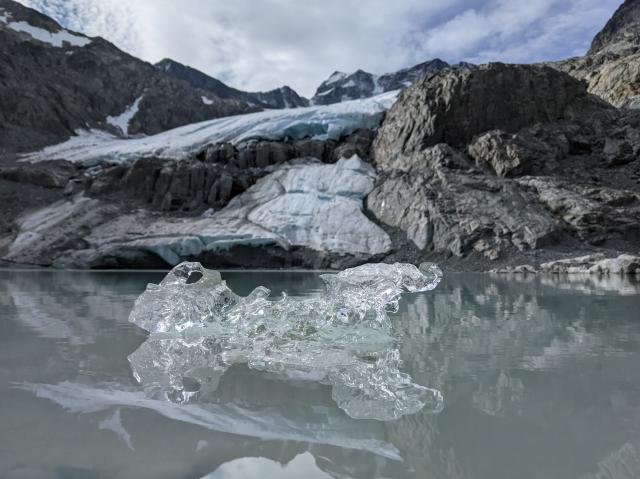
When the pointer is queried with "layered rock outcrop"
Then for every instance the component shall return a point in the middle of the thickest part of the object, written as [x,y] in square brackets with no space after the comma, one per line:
[503,160]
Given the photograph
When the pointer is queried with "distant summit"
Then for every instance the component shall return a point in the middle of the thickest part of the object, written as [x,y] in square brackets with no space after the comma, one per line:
[283,97]
[360,84]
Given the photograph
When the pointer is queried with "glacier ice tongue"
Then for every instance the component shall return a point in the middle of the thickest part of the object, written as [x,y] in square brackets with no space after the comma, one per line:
[343,338]
[321,122]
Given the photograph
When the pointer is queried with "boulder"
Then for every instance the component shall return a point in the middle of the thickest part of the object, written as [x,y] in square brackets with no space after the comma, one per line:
[454,105]
[591,264]
[589,210]
[443,208]
[594,264]
[517,154]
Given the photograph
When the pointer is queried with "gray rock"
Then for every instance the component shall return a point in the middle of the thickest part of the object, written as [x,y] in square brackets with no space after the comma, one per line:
[518,154]
[448,209]
[594,264]
[588,210]
[455,105]
[621,31]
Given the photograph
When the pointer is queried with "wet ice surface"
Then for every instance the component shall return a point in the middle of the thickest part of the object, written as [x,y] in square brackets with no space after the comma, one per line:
[540,378]
[343,337]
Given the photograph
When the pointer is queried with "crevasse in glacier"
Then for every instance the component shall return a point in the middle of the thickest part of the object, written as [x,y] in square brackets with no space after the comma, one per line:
[343,337]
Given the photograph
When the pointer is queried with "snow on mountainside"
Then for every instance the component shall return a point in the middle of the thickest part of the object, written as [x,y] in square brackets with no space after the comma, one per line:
[283,97]
[56,39]
[360,84]
[321,122]
[55,81]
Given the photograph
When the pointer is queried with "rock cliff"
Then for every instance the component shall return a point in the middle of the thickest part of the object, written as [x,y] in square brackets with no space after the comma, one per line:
[507,161]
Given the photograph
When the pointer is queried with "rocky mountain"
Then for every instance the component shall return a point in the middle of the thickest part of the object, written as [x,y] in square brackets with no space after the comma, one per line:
[622,31]
[507,161]
[54,81]
[360,84]
[481,168]
[611,67]
[283,97]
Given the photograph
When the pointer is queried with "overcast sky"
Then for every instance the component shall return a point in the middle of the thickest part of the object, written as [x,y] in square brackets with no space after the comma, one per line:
[262,44]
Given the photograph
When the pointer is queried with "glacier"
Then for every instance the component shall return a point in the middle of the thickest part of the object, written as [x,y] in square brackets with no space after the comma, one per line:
[319,122]
[302,203]
[343,338]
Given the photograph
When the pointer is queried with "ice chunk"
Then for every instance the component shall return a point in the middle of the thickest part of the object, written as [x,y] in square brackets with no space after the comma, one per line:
[199,328]
[320,122]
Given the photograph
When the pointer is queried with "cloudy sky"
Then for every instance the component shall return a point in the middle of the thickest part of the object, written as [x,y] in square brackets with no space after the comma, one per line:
[262,44]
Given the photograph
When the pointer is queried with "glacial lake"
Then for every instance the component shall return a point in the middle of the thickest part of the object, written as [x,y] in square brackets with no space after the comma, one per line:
[540,378]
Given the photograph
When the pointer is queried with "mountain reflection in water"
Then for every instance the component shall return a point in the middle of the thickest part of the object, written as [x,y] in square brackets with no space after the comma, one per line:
[539,376]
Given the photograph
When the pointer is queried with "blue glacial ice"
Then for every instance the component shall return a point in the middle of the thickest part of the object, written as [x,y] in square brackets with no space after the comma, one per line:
[320,122]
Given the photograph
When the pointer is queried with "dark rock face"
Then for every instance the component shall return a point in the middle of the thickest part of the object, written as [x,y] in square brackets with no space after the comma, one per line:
[283,97]
[504,160]
[454,105]
[360,84]
[49,91]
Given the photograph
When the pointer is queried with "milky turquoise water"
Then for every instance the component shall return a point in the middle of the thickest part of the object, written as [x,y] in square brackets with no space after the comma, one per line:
[541,379]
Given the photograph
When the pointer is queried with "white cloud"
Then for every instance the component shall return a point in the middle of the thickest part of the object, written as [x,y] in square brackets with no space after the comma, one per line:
[258,45]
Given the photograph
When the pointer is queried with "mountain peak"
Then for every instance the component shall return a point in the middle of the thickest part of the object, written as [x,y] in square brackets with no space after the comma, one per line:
[361,84]
[622,31]
[283,97]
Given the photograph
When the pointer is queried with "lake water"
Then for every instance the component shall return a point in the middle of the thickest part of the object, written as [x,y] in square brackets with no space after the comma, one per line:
[540,378]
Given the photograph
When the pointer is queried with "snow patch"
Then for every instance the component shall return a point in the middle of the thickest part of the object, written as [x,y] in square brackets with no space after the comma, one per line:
[122,121]
[56,39]
[326,92]
[207,101]
[377,88]
[319,122]
[336,77]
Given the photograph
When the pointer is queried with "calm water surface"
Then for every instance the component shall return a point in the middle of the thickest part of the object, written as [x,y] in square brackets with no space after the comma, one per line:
[541,379]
